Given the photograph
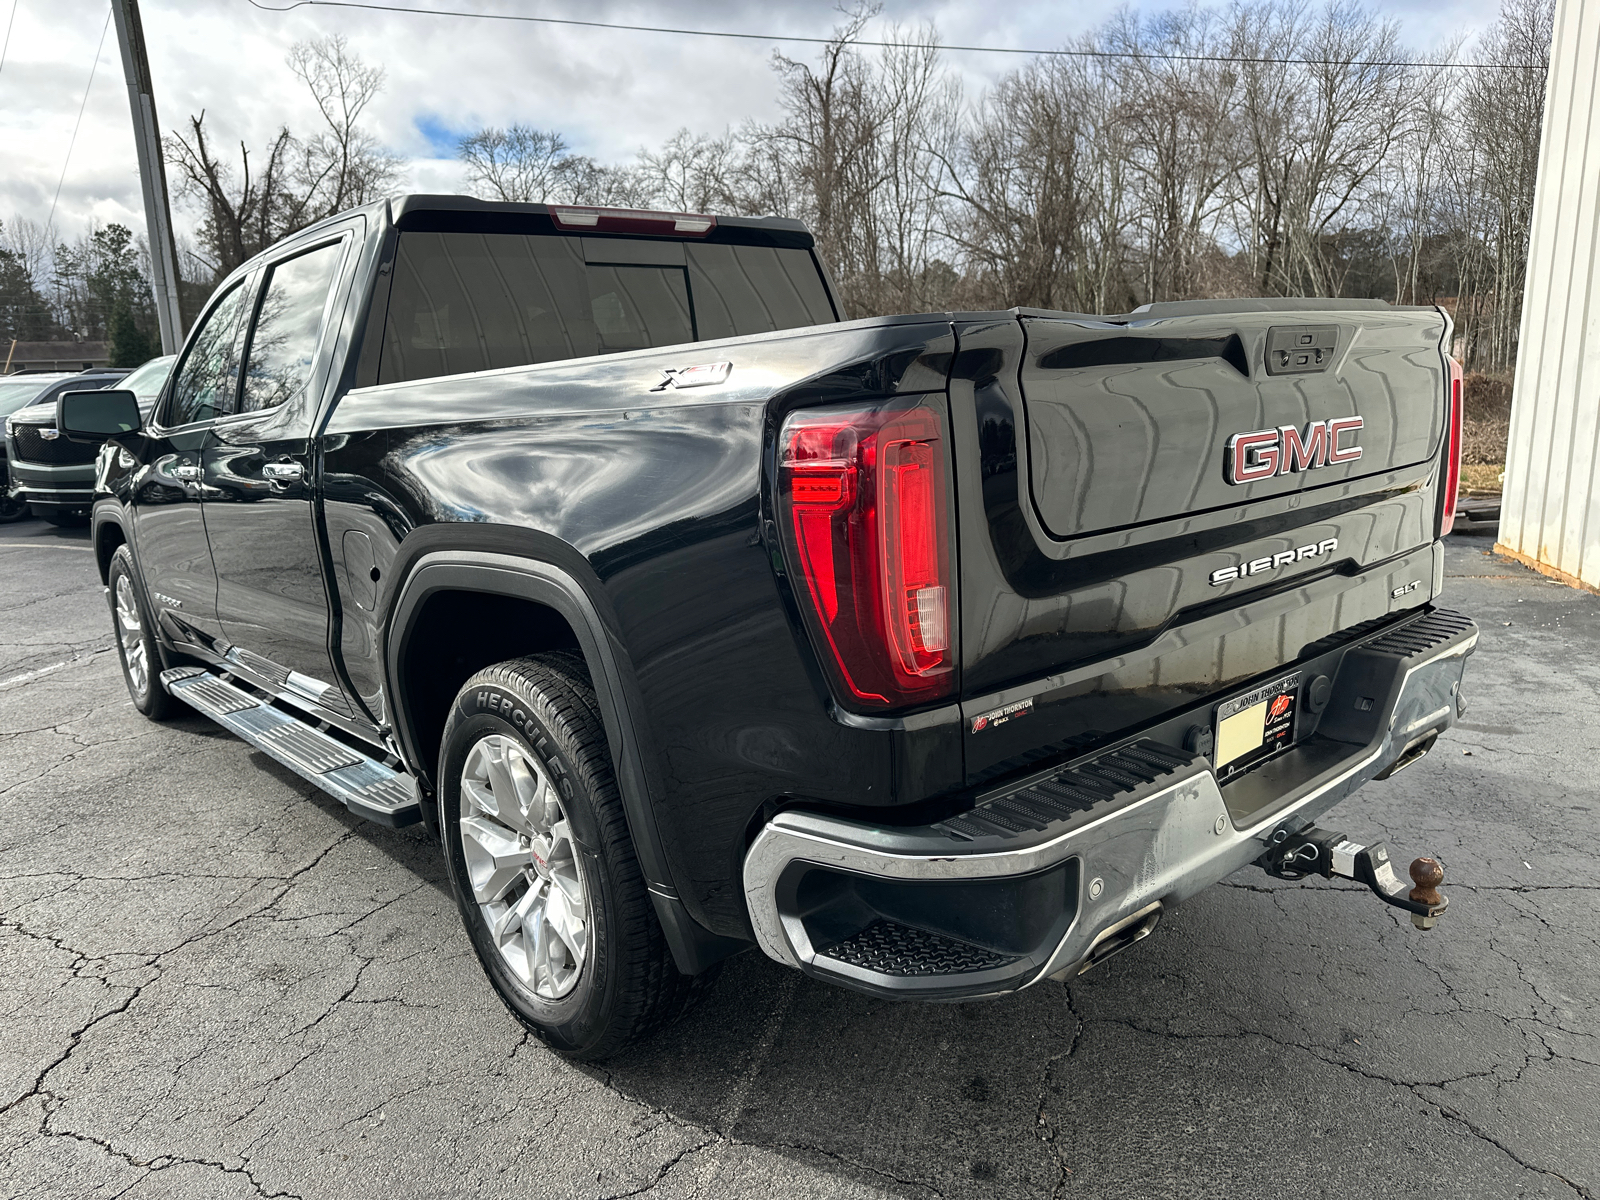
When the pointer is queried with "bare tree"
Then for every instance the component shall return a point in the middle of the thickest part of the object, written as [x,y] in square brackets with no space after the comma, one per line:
[1027,201]
[518,163]
[1320,133]
[535,166]
[1413,178]
[29,243]
[859,156]
[918,128]
[24,310]
[247,206]
[825,146]
[244,209]
[1184,145]
[690,173]
[1493,167]
[343,165]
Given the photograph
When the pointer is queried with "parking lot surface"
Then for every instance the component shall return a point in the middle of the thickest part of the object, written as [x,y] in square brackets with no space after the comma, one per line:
[215,982]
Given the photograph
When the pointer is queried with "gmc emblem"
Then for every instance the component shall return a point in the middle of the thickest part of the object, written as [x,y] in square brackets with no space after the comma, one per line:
[1264,453]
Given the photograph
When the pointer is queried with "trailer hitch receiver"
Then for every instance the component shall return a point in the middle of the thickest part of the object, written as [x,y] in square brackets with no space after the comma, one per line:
[1315,851]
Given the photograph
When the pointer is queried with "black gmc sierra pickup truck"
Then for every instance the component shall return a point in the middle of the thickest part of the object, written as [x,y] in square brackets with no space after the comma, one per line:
[935,655]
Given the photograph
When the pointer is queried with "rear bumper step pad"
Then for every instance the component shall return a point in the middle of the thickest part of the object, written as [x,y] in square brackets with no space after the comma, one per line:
[364,785]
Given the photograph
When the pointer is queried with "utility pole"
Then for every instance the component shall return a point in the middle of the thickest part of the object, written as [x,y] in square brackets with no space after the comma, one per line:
[152,174]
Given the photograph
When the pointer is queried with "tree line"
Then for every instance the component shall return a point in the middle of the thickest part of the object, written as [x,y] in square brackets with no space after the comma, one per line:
[95,288]
[1263,149]
[1270,148]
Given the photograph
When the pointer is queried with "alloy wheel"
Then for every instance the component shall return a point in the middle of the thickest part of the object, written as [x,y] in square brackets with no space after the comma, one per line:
[523,866]
[130,629]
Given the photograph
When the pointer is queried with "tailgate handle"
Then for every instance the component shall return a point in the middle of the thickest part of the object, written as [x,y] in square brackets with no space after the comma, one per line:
[1300,349]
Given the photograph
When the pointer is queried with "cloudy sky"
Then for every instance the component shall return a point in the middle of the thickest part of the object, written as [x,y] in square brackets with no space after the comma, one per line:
[609,92]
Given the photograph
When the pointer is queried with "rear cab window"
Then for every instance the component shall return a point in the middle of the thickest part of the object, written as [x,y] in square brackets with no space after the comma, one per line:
[288,327]
[467,299]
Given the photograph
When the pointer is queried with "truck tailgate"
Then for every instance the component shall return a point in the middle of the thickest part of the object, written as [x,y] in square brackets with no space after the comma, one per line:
[1123,555]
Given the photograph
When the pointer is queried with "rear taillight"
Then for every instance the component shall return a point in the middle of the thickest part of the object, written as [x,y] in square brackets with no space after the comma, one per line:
[864,505]
[1452,450]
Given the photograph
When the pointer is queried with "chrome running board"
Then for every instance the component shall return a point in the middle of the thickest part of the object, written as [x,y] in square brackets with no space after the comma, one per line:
[364,785]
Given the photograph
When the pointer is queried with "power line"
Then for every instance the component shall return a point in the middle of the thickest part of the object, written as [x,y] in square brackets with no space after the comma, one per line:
[827,41]
[10,21]
[93,67]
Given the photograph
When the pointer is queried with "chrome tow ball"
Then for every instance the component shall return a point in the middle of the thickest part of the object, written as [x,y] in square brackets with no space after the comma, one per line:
[1312,851]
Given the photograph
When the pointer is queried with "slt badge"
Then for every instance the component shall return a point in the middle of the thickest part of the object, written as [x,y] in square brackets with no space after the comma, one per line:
[687,377]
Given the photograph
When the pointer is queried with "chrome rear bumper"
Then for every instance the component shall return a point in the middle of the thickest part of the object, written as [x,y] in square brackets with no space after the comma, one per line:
[1042,876]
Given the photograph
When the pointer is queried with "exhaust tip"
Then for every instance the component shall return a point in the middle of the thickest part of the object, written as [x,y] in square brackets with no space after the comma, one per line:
[1114,939]
[1413,753]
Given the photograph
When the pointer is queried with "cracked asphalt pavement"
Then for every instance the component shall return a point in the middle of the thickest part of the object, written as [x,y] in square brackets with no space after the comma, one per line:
[215,982]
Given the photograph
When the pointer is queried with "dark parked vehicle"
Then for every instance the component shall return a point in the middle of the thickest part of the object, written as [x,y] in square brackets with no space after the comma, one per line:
[54,476]
[16,392]
[935,655]
[35,454]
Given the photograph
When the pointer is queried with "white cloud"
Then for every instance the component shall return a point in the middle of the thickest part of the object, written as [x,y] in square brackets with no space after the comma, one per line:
[609,92]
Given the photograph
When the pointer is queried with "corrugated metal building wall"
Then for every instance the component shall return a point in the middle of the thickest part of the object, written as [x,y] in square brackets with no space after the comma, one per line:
[1550,513]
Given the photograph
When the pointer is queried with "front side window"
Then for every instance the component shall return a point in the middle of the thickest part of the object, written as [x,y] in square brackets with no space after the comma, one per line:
[283,344]
[209,373]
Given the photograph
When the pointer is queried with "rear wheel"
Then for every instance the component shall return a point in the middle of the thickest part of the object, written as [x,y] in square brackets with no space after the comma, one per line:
[541,863]
[136,643]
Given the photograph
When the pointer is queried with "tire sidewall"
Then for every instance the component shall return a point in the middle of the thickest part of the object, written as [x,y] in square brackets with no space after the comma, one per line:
[576,1021]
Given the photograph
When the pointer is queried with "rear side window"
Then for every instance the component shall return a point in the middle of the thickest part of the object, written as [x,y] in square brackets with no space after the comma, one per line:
[472,302]
[741,290]
[283,344]
[209,372]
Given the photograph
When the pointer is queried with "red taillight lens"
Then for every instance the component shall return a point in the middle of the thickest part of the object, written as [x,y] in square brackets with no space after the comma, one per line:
[865,511]
[1452,462]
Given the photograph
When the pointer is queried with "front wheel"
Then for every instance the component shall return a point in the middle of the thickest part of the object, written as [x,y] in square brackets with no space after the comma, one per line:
[541,863]
[136,642]
[11,509]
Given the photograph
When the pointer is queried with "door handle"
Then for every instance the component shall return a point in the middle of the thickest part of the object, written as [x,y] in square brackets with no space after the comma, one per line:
[187,472]
[284,472]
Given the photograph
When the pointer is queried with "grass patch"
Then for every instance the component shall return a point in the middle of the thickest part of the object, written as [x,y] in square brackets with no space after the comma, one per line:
[1486,401]
[1480,478]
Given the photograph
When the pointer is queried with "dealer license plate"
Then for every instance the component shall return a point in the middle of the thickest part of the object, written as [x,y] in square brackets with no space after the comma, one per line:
[1256,726]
